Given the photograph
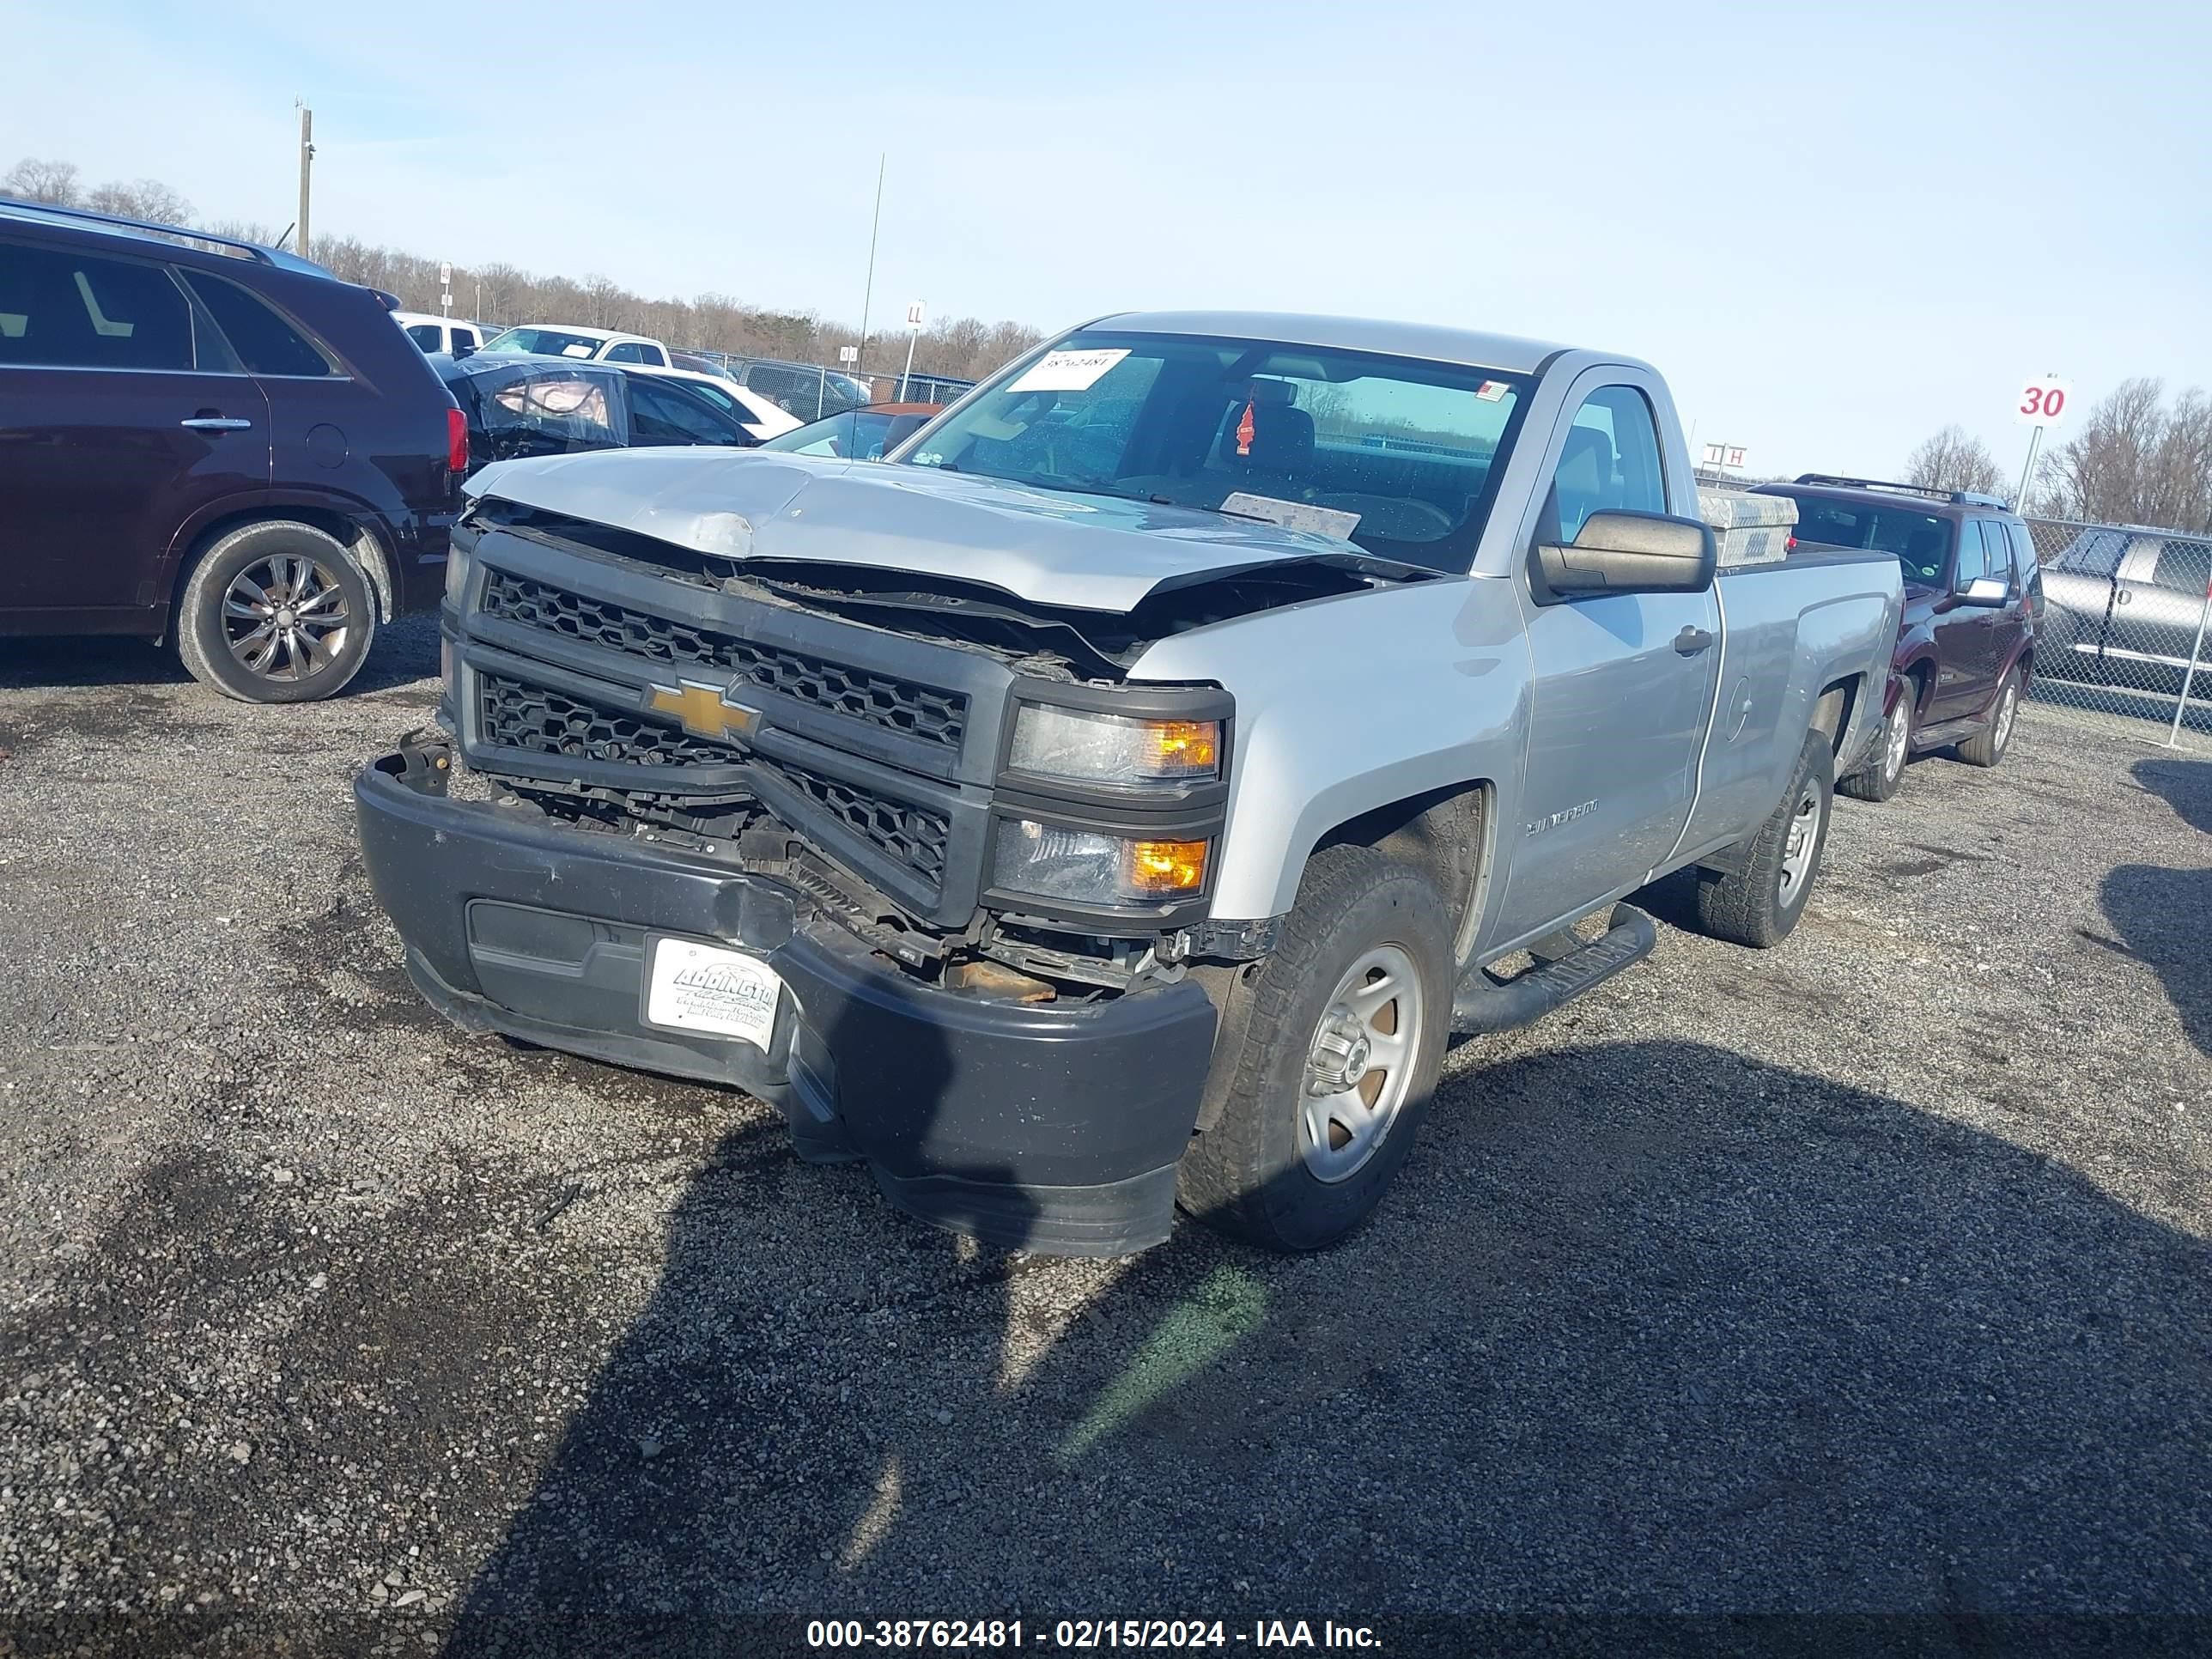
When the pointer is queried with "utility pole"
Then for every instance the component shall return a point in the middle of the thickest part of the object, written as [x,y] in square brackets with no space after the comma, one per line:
[869,293]
[307,162]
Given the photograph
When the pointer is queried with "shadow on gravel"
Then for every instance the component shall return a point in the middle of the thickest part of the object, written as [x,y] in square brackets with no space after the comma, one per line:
[1645,1326]
[2164,916]
[404,650]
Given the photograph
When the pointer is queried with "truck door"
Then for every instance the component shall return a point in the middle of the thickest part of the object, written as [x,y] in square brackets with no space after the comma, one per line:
[1622,684]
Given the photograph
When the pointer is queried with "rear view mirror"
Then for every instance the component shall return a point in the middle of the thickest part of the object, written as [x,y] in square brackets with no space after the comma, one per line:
[1619,551]
[1985,590]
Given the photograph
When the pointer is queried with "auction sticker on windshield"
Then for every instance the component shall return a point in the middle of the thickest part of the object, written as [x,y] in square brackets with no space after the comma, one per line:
[1068,371]
[702,988]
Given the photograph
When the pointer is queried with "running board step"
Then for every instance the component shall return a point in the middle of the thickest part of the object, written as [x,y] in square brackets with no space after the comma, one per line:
[1947,733]
[1482,1005]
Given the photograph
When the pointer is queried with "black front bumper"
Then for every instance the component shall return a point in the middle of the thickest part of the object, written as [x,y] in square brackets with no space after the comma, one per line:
[1053,1127]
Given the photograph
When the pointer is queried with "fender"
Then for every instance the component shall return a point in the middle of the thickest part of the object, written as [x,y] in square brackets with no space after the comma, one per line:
[1315,747]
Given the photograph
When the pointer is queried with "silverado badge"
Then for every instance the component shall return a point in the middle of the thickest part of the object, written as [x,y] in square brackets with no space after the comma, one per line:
[706,710]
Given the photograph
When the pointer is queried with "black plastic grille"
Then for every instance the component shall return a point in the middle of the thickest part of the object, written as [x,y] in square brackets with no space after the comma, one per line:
[546,722]
[881,699]
[518,716]
[912,835]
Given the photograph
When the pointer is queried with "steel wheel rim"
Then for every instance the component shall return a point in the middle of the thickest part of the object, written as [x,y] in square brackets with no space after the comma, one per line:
[1359,1063]
[1900,731]
[285,618]
[1799,843]
[2005,711]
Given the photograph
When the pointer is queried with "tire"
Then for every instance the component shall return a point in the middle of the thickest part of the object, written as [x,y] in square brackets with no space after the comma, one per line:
[238,643]
[1878,779]
[1987,747]
[1760,904]
[1263,1172]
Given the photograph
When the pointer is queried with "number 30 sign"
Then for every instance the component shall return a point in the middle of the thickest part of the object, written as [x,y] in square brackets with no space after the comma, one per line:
[2041,401]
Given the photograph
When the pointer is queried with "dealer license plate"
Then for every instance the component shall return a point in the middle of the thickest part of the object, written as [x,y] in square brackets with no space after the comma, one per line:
[690,987]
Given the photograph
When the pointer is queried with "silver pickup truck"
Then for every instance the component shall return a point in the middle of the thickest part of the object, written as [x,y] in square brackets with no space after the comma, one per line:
[1120,796]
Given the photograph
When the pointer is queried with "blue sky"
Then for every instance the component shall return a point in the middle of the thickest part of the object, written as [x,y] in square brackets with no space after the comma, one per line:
[1834,228]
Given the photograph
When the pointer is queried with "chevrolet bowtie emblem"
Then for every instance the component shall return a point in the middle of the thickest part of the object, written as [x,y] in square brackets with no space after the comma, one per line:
[705,710]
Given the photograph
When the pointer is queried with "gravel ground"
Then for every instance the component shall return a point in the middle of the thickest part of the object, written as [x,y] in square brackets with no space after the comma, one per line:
[1871,1273]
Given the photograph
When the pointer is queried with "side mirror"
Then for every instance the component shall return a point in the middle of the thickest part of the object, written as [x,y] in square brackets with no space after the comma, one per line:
[1619,551]
[1983,591]
[463,349]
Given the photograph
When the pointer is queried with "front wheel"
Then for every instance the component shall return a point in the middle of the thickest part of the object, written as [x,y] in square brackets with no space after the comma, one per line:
[1884,771]
[1987,746]
[1333,1072]
[275,612]
[1759,903]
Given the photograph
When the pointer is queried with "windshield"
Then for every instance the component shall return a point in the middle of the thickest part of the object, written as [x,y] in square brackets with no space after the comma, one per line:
[550,341]
[1398,455]
[1920,542]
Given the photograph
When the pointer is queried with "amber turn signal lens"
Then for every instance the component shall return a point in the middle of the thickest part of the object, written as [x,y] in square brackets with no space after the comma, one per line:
[1185,748]
[1157,869]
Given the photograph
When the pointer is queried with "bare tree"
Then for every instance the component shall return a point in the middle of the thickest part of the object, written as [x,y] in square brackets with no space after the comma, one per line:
[1954,459]
[146,198]
[604,302]
[2179,491]
[35,180]
[2135,460]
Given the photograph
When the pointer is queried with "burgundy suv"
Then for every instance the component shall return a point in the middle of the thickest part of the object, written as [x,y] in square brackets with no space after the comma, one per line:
[215,443]
[1973,599]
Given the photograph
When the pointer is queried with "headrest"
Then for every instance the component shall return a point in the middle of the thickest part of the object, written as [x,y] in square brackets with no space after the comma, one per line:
[1583,441]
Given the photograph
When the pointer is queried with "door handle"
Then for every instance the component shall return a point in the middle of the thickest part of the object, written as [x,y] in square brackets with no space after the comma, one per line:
[1692,640]
[215,423]
[2125,596]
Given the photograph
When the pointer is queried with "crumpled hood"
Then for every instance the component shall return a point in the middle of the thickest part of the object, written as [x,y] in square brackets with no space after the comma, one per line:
[1089,552]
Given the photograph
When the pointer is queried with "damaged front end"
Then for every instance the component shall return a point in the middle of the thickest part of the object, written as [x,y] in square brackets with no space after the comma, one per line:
[968,784]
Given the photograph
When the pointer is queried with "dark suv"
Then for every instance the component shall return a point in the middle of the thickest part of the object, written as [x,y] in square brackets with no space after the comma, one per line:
[217,443]
[1973,599]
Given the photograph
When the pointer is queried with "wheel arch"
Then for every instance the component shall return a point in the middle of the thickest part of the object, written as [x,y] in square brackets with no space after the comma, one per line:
[1447,834]
[1919,674]
[1833,708]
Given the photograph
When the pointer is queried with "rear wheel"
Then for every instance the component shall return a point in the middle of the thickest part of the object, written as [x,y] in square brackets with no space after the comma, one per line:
[1759,904]
[1333,1075]
[275,612]
[1877,780]
[1987,747]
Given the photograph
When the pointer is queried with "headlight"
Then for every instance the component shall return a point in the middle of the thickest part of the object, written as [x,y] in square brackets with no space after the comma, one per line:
[1069,743]
[1087,868]
[457,574]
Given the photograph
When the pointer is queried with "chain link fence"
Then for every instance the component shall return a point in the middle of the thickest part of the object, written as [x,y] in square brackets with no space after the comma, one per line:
[2124,630]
